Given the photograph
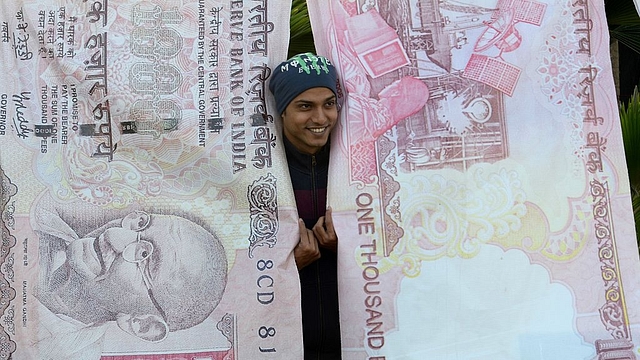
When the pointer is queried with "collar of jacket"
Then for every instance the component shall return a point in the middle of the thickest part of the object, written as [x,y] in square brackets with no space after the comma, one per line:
[302,161]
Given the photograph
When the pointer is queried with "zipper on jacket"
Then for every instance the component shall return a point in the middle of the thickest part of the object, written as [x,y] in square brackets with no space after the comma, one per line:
[314,190]
[317,263]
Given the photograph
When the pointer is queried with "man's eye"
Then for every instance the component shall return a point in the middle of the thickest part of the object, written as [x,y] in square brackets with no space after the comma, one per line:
[143,250]
[138,251]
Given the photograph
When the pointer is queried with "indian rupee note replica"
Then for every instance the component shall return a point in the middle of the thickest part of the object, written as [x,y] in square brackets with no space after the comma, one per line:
[146,212]
[485,212]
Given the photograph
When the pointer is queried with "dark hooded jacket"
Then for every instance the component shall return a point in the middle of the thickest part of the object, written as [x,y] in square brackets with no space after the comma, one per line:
[318,280]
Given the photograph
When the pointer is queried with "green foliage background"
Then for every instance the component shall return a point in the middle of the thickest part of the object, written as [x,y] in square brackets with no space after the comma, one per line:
[630,123]
[624,26]
[301,38]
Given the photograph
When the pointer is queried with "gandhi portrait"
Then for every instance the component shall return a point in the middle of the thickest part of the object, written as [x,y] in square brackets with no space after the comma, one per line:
[150,273]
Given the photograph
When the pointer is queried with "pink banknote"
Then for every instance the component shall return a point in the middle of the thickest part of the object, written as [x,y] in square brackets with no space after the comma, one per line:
[146,211]
[484,212]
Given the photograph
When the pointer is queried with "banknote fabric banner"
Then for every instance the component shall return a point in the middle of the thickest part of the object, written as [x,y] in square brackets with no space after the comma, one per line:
[146,210]
[478,181]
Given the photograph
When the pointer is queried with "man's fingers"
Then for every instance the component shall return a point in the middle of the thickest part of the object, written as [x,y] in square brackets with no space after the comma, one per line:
[318,229]
[328,222]
[325,233]
[307,250]
[307,238]
[304,232]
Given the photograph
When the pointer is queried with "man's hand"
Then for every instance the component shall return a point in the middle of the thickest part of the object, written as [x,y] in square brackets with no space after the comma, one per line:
[325,233]
[307,250]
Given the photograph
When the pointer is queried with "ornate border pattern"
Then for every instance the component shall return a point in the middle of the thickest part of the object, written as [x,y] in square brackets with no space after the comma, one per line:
[7,292]
[390,203]
[613,313]
[263,204]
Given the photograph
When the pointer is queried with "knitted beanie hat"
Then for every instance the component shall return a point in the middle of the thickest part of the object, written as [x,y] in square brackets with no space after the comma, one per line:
[299,74]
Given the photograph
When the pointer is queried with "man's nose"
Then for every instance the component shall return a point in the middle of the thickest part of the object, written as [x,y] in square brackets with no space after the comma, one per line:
[319,116]
[119,238]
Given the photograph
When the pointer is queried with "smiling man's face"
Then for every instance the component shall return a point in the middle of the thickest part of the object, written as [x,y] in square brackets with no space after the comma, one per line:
[309,119]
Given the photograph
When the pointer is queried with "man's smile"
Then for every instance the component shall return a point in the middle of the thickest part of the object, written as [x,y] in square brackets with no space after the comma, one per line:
[318,130]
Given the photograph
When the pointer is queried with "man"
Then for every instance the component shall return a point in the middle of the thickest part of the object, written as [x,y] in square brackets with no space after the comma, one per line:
[150,273]
[304,88]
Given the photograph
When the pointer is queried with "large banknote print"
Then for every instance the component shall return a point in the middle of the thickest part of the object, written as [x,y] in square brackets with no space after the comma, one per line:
[478,181]
[145,211]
